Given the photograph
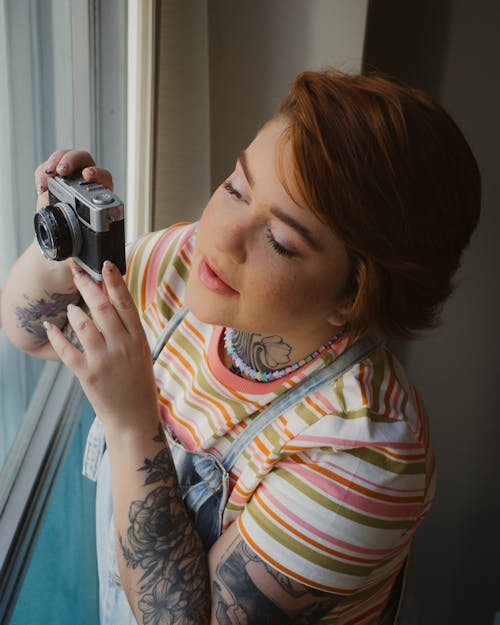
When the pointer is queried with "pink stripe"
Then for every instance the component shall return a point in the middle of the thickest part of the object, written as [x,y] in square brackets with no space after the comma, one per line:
[354,500]
[329,407]
[328,440]
[362,480]
[322,536]
[156,256]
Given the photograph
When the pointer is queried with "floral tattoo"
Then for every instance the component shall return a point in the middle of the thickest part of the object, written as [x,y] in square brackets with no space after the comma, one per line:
[52,307]
[162,543]
[262,353]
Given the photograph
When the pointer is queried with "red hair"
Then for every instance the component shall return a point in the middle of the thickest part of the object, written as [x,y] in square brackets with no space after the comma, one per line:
[388,170]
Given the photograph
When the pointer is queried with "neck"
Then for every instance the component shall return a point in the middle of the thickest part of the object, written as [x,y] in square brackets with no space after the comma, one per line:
[263,353]
[266,357]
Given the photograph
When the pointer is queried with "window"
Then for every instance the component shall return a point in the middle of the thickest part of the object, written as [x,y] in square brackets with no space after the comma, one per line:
[62,84]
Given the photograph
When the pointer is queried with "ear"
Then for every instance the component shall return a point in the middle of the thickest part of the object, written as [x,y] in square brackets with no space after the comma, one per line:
[339,317]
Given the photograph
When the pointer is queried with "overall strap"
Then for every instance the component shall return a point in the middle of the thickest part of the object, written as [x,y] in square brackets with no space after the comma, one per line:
[168,331]
[353,354]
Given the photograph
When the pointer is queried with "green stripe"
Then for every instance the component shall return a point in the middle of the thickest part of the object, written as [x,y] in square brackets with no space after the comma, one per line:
[321,559]
[235,405]
[335,506]
[306,414]
[339,392]
[380,460]
[135,270]
[379,372]
[181,268]
[196,407]
[167,257]
[367,413]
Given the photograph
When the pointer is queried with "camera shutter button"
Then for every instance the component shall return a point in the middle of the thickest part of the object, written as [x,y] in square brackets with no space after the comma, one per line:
[105,197]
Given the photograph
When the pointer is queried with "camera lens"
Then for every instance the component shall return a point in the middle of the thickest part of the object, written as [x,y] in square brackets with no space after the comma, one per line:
[58,232]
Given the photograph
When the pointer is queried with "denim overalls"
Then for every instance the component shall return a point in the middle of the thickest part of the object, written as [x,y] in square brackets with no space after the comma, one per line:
[203,479]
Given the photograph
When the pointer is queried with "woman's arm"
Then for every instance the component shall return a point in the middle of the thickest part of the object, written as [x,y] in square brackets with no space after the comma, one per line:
[38,289]
[164,569]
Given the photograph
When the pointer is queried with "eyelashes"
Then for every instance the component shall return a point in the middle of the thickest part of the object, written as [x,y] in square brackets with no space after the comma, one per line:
[282,251]
[277,247]
[231,190]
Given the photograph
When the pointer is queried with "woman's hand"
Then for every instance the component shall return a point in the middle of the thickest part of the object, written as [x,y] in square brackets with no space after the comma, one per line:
[66,163]
[115,368]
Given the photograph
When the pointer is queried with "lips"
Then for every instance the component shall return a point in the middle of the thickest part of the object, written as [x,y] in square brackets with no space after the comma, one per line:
[213,280]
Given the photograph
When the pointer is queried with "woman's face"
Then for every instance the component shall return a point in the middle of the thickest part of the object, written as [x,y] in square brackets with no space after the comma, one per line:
[263,263]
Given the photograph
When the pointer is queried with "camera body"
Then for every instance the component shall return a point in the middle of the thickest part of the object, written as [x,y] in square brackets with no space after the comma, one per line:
[84,220]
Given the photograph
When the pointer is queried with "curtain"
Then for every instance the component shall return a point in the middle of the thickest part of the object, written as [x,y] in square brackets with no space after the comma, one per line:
[18,371]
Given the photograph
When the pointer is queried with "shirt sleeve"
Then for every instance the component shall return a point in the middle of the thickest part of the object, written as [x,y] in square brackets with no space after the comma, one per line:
[338,512]
[158,264]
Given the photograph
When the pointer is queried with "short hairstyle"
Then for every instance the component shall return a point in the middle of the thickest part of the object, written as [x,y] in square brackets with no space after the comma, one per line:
[389,171]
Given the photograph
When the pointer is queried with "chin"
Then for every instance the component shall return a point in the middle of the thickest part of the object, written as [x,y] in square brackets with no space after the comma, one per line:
[201,306]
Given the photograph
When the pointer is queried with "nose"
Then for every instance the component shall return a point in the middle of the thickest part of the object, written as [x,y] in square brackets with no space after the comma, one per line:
[232,239]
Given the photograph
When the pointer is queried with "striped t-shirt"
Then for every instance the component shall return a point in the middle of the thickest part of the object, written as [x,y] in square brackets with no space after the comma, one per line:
[331,492]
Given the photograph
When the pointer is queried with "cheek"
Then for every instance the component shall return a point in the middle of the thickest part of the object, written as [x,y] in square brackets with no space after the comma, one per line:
[277,286]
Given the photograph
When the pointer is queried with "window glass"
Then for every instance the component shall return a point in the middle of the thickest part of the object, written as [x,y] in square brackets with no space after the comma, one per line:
[63,563]
[38,113]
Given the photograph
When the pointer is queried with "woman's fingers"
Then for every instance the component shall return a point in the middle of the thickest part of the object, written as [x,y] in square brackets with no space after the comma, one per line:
[112,308]
[100,175]
[121,299]
[70,355]
[62,163]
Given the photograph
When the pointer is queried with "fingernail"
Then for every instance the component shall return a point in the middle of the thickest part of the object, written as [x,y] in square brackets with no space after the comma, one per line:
[70,307]
[49,170]
[91,171]
[63,167]
[48,326]
[108,266]
[77,272]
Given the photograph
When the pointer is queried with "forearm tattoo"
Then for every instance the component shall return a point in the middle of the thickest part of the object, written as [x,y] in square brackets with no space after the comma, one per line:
[52,307]
[262,353]
[277,600]
[162,543]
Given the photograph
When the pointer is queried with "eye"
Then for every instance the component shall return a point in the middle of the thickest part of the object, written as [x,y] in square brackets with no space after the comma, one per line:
[277,247]
[231,190]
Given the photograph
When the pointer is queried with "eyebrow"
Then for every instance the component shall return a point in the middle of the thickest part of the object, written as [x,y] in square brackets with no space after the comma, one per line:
[298,227]
[242,159]
[278,212]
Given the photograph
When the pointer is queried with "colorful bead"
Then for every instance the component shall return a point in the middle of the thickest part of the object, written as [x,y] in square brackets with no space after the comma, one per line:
[267,376]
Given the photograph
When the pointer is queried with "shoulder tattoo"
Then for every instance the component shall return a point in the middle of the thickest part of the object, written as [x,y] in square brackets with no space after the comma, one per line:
[247,590]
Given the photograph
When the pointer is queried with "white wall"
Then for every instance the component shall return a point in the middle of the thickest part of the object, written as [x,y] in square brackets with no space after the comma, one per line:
[223,68]
[182,128]
[256,49]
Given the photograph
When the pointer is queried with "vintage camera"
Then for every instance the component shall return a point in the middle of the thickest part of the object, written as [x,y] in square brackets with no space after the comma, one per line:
[85,221]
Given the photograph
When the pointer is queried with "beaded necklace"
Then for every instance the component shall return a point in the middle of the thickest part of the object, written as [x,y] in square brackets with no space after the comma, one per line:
[267,376]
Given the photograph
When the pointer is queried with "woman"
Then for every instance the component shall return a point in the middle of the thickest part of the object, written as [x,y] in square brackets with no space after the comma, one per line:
[303,464]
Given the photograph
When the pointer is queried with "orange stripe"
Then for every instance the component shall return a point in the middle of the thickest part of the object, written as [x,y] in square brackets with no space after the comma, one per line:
[176,417]
[387,396]
[362,383]
[405,457]
[261,446]
[186,258]
[172,294]
[335,477]
[196,391]
[293,574]
[194,330]
[315,406]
